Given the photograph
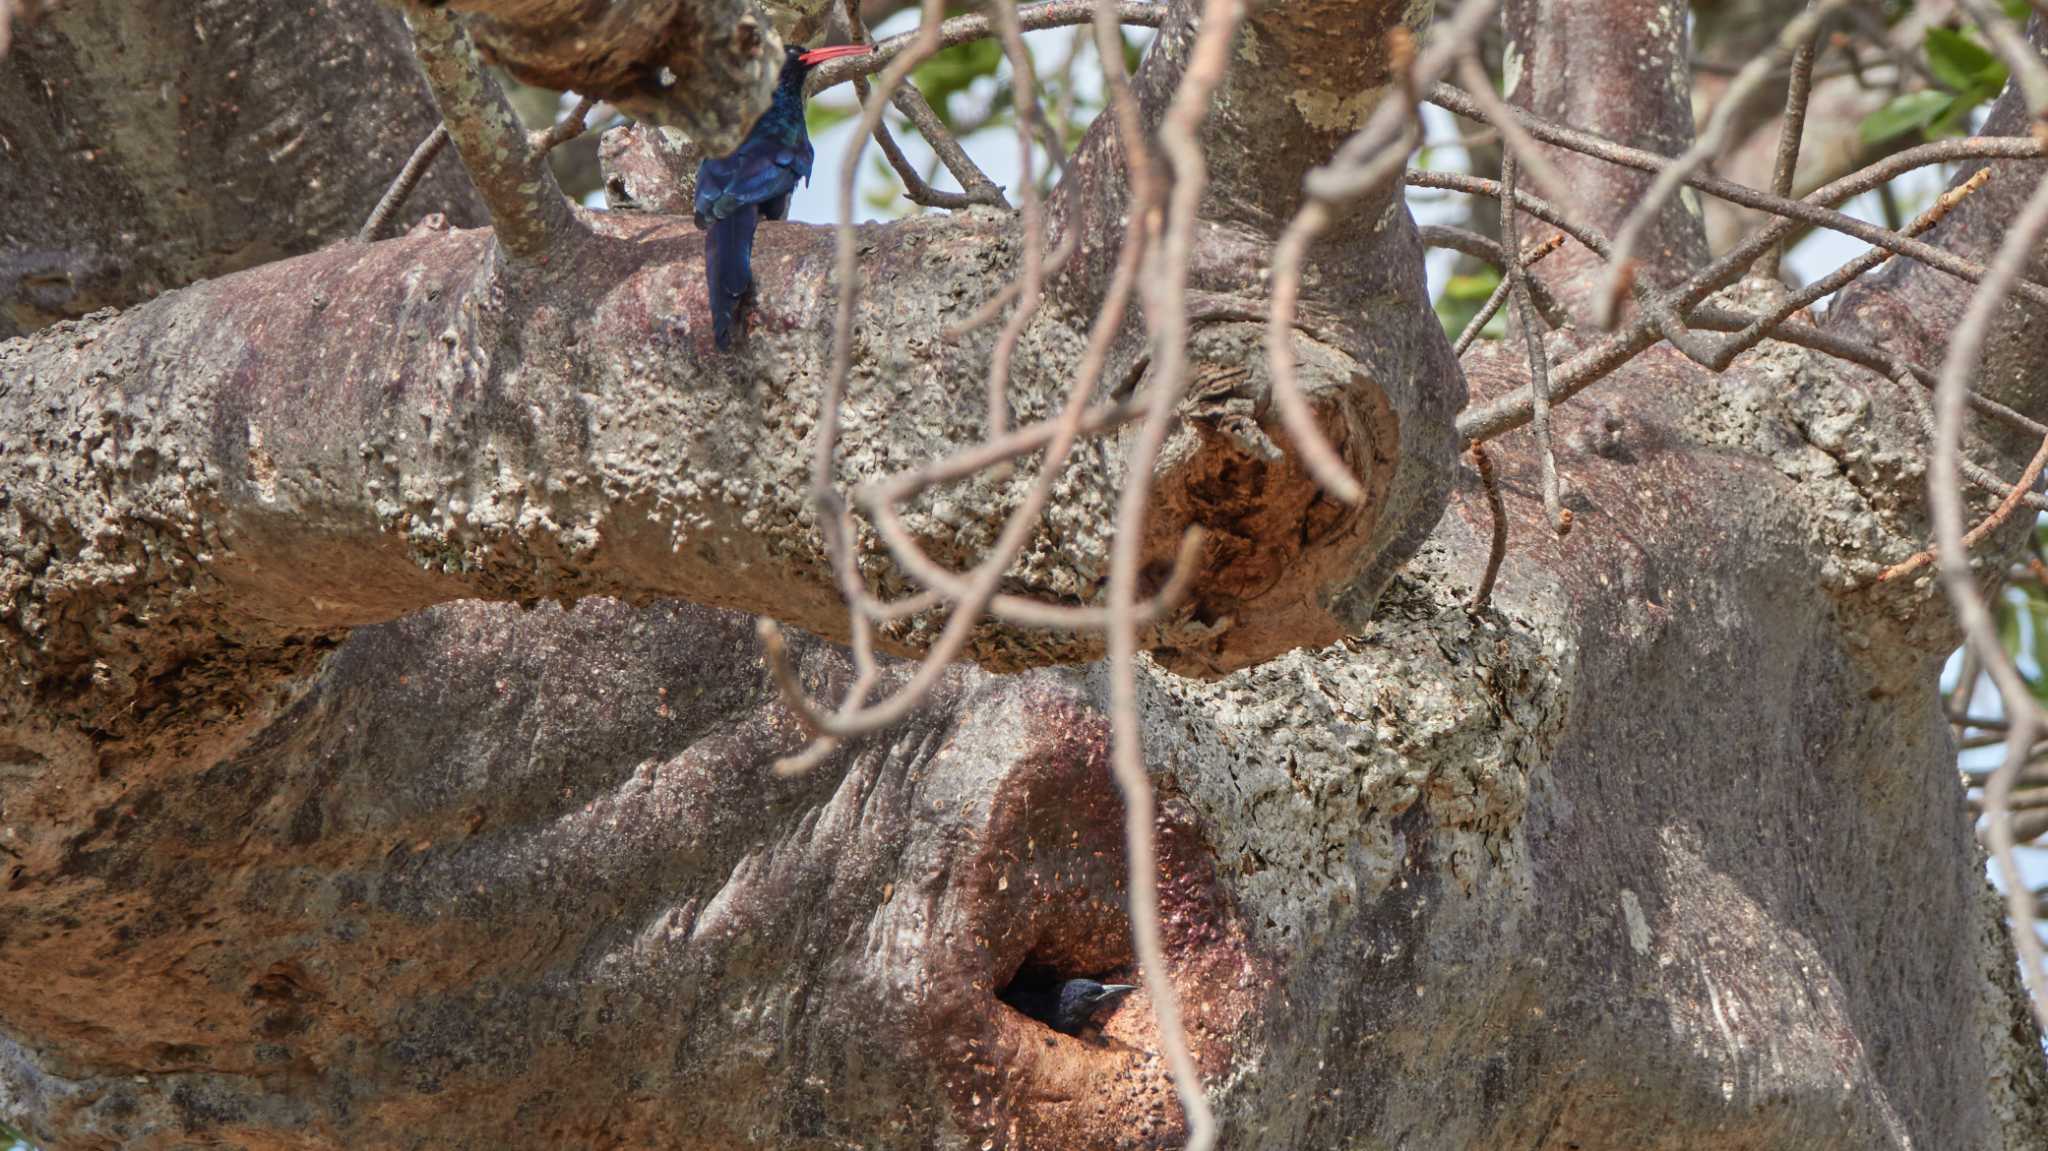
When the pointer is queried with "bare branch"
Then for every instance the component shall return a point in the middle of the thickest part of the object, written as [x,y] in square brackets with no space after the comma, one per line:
[422,158]
[1024,80]
[916,188]
[1499,295]
[1809,210]
[1498,549]
[1798,91]
[1509,413]
[1166,315]
[967,29]
[1532,339]
[528,210]
[564,130]
[979,188]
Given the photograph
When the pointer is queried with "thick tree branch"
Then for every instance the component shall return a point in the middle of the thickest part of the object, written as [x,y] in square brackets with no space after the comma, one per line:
[480,876]
[707,67]
[1265,138]
[381,424]
[528,210]
[1616,68]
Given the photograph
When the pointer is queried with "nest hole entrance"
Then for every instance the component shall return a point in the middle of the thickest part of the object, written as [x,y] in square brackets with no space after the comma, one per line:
[1035,990]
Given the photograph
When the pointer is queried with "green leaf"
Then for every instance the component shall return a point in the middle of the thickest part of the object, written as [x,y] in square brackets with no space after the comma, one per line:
[1906,113]
[1461,299]
[955,70]
[2008,625]
[884,197]
[821,117]
[1960,63]
[1954,120]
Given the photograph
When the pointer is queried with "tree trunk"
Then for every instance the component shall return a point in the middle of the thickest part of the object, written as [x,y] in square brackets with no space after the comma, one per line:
[382,762]
[149,144]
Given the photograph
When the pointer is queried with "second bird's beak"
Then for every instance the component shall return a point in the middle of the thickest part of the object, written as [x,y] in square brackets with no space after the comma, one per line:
[833,52]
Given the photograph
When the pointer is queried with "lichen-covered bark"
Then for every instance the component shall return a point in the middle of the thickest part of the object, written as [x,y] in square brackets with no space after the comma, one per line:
[339,439]
[1665,851]
[648,170]
[150,144]
[1365,306]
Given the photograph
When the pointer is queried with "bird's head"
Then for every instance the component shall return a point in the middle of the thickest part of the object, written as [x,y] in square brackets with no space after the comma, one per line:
[797,61]
[1080,999]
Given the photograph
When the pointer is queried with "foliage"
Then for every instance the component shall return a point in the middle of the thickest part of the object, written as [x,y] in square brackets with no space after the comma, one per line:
[968,89]
[952,72]
[1461,299]
[2023,618]
[1968,76]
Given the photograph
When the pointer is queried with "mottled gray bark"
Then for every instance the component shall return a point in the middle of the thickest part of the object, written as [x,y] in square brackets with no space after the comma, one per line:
[1665,851]
[144,145]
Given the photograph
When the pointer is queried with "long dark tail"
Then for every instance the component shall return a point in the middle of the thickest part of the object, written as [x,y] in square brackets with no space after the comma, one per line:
[729,270]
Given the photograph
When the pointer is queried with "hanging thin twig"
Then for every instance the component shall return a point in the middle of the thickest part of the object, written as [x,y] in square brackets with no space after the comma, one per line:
[1791,132]
[2022,710]
[1166,315]
[1532,338]
[409,177]
[1498,549]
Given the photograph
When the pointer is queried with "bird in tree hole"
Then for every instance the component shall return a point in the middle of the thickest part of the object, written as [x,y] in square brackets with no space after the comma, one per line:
[735,192]
[1065,1005]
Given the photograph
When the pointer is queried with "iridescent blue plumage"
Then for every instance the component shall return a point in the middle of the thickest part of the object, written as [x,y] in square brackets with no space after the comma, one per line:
[735,192]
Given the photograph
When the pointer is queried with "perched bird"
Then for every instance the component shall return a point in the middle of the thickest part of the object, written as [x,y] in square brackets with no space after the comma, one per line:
[735,192]
[1068,1006]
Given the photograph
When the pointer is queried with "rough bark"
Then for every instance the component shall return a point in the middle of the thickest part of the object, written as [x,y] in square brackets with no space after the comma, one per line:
[648,170]
[145,145]
[1261,139]
[1665,851]
[705,66]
